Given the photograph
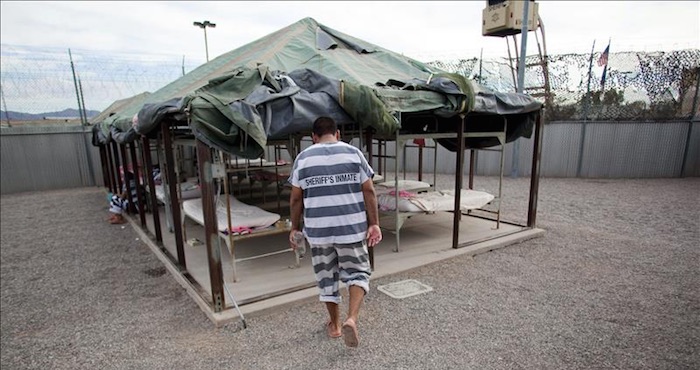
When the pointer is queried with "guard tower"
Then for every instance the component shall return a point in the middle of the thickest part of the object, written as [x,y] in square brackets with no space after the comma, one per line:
[504,18]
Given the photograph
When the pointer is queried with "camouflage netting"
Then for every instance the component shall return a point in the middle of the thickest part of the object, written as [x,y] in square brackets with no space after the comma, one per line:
[638,85]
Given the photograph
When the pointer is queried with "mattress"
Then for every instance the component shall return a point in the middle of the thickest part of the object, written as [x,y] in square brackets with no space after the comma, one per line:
[257,162]
[242,215]
[408,185]
[189,190]
[433,201]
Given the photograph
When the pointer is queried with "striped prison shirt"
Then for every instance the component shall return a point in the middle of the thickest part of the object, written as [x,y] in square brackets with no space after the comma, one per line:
[119,205]
[331,177]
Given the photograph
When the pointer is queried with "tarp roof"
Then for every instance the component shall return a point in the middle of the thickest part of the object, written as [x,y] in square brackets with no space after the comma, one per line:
[119,106]
[280,83]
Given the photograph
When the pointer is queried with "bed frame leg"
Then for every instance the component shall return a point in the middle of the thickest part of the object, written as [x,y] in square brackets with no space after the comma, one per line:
[233,259]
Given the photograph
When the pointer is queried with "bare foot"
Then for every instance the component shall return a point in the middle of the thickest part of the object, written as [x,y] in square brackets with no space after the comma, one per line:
[333,330]
[352,339]
[118,219]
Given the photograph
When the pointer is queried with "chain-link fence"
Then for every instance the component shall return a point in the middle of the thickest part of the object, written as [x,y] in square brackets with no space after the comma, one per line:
[41,80]
[638,86]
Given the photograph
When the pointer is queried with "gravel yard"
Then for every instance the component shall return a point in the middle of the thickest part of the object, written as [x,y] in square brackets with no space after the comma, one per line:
[612,284]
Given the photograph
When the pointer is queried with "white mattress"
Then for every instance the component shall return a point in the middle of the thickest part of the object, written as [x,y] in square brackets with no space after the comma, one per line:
[242,215]
[434,201]
[257,162]
[408,185]
[189,190]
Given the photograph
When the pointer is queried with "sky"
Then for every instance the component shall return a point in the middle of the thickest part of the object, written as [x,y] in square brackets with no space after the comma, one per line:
[423,30]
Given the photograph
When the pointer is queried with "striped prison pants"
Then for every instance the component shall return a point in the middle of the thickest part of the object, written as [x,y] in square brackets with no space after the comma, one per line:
[334,263]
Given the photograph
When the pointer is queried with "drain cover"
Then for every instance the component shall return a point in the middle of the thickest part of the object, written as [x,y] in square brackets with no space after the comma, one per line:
[403,289]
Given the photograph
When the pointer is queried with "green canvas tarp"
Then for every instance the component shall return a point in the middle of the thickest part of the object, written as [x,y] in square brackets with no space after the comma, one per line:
[280,83]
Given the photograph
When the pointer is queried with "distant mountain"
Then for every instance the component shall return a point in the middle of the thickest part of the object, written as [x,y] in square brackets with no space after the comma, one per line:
[66,113]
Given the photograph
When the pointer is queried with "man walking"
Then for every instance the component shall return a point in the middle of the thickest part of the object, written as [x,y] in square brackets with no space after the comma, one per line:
[332,185]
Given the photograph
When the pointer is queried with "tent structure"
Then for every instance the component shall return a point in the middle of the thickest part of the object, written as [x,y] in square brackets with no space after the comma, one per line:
[273,89]
[280,83]
[118,106]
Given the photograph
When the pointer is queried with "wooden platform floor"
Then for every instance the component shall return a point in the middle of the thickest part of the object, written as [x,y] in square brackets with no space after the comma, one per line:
[261,278]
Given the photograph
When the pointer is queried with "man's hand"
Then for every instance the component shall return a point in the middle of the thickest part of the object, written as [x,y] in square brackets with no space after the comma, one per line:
[292,243]
[374,235]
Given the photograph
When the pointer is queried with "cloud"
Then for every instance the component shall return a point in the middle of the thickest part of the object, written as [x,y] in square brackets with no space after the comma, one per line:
[413,27]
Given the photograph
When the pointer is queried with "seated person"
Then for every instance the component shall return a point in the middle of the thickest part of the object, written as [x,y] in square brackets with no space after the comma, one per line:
[120,202]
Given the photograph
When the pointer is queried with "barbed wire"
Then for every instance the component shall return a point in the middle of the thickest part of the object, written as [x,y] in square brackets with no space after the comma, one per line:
[37,80]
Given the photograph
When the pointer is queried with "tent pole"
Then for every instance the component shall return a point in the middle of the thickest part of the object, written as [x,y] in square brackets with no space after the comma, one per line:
[127,184]
[206,181]
[110,169]
[397,150]
[103,162]
[172,186]
[139,195]
[535,176]
[117,162]
[369,160]
[152,188]
[459,174]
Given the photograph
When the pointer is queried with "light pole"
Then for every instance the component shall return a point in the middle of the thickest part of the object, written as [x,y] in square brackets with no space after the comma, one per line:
[204,25]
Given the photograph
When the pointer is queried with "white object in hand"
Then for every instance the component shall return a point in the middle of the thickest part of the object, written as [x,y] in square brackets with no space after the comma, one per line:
[300,242]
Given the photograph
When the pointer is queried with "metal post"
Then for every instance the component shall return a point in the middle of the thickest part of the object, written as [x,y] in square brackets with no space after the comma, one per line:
[472,165]
[586,104]
[75,82]
[459,178]
[88,157]
[379,158]
[173,184]
[152,187]
[127,184]
[521,81]
[141,199]
[117,164]
[481,59]
[110,170]
[369,159]
[83,112]
[206,182]
[690,122]
[204,25]
[420,162]
[103,162]
[523,47]
[206,43]
[535,176]
[397,152]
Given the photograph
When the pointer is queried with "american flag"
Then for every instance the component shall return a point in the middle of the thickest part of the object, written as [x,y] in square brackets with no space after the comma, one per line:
[603,60]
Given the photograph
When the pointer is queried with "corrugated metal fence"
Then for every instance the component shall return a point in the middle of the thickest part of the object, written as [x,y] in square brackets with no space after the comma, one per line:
[41,158]
[46,158]
[609,150]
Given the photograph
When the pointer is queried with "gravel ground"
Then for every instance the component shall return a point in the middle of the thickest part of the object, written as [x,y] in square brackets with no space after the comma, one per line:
[612,284]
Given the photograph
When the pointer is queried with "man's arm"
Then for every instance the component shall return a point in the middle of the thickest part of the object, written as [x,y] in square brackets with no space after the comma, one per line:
[374,233]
